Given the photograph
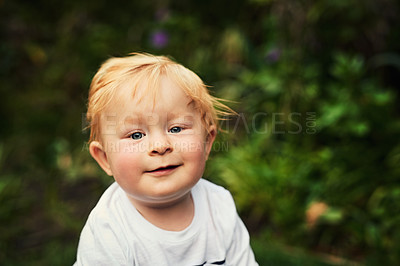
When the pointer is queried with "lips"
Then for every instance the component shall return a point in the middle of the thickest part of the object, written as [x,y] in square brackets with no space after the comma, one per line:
[163,170]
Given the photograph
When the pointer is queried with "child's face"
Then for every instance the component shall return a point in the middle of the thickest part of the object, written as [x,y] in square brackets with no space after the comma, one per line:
[156,151]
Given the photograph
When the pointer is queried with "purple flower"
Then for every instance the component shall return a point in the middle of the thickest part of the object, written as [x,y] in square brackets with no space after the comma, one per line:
[273,55]
[159,39]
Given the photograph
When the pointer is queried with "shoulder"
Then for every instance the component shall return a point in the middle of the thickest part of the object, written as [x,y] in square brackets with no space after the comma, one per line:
[107,218]
[103,238]
[216,193]
[105,209]
[212,187]
[105,213]
[218,201]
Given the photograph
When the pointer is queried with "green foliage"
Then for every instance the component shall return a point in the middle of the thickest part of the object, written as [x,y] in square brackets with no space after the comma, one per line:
[343,161]
[314,82]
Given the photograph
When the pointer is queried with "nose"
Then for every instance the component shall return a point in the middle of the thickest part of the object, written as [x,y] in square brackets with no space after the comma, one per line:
[160,145]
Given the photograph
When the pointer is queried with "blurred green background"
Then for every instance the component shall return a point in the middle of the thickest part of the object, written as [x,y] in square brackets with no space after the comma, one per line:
[312,159]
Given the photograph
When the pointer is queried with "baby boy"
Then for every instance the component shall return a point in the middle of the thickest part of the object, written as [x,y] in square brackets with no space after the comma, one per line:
[152,125]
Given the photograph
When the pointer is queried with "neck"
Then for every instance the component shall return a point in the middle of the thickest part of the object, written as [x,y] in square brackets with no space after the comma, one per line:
[173,217]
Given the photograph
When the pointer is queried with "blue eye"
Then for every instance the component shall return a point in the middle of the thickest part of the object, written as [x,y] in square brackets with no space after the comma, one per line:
[175,130]
[137,135]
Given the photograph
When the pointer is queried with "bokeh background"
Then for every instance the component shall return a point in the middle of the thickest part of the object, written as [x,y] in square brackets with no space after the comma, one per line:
[312,159]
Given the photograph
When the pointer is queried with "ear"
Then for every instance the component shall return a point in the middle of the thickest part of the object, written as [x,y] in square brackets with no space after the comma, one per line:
[98,153]
[212,133]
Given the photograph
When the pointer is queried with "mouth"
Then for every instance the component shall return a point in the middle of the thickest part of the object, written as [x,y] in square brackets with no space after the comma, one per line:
[164,169]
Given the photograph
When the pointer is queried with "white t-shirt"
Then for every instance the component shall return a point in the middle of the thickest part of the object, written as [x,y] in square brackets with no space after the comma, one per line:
[117,234]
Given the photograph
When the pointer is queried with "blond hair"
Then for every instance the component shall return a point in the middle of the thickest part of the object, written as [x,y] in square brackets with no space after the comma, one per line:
[138,68]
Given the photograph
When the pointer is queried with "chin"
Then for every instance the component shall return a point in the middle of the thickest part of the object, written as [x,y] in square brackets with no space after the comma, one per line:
[163,202]
[168,197]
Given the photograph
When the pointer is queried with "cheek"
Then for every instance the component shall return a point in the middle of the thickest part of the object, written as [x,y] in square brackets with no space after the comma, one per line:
[194,150]
[197,161]
[125,163]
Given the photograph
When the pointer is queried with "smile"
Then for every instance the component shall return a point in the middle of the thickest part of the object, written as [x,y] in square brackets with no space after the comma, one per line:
[163,170]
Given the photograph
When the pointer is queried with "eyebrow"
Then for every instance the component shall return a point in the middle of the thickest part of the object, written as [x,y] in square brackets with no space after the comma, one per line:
[172,116]
[129,120]
[140,119]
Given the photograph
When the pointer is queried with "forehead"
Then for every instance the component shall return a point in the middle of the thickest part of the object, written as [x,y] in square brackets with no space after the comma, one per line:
[152,95]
